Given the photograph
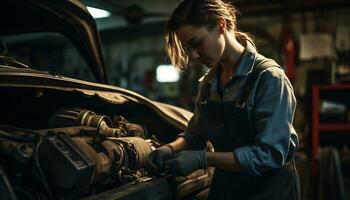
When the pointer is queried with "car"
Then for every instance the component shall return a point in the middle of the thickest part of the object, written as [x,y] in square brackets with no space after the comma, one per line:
[65,138]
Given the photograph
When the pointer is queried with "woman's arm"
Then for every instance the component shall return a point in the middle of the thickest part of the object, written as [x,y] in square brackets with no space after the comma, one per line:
[272,119]
[185,162]
[223,160]
[180,144]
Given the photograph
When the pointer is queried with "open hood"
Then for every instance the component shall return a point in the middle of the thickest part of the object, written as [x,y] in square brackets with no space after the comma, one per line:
[68,17]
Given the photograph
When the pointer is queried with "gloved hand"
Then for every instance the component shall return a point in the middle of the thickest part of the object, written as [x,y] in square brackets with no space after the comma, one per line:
[186,162]
[155,161]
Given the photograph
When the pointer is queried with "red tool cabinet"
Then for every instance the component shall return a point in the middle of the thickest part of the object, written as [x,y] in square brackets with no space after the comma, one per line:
[336,92]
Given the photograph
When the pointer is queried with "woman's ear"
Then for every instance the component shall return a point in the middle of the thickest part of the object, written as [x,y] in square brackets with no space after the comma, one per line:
[221,25]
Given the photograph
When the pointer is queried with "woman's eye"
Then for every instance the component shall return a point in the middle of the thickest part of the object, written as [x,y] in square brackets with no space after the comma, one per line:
[196,43]
[193,45]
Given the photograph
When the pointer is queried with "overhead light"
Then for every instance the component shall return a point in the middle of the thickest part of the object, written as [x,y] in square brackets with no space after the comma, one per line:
[167,73]
[98,13]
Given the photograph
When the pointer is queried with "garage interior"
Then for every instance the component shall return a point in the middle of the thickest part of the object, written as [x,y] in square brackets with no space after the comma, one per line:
[310,39]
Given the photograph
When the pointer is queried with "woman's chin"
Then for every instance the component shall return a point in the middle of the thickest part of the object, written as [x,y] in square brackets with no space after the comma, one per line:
[210,64]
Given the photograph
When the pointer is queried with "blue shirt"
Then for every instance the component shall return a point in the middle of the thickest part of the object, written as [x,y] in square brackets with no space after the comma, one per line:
[271,106]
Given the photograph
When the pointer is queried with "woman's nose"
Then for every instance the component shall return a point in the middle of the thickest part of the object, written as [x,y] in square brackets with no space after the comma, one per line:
[194,54]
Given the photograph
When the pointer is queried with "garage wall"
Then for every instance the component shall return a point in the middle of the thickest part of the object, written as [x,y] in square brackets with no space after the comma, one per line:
[144,51]
[131,59]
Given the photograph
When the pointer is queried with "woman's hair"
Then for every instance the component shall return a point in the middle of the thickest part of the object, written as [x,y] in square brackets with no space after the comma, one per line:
[199,13]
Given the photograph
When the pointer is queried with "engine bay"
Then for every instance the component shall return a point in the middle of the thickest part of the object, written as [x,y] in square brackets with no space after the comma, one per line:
[60,145]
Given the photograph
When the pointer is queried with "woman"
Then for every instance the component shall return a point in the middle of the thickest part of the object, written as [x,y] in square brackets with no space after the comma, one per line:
[245,108]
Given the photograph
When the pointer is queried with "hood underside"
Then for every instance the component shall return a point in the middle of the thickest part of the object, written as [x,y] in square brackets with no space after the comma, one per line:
[69,17]
[29,78]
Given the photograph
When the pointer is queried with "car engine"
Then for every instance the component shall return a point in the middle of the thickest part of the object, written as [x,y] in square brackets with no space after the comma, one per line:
[81,153]
[59,143]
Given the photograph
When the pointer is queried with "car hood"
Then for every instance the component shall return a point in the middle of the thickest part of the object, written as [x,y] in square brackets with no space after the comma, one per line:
[29,78]
[70,18]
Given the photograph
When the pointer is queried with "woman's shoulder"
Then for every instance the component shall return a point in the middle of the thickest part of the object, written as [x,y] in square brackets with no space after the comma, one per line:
[271,74]
[269,67]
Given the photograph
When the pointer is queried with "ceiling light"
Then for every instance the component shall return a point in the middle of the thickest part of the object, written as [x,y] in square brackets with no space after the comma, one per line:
[98,13]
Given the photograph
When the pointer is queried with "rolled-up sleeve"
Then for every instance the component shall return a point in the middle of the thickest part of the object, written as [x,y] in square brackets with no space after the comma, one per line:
[271,118]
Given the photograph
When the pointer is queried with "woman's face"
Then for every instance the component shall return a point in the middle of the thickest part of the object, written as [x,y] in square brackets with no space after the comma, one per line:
[201,44]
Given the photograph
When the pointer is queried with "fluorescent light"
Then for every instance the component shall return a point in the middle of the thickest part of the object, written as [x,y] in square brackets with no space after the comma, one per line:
[98,13]
[167,73]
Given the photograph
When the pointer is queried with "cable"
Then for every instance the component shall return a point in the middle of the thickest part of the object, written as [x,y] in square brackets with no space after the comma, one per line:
[19,129]
[41,176]
[8,136]
[5,182]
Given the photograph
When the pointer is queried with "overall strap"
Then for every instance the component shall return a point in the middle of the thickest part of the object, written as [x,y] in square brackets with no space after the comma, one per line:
[260,66]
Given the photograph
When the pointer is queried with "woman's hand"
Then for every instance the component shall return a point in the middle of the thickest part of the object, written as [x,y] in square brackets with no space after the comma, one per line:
[155,161]
[186,162]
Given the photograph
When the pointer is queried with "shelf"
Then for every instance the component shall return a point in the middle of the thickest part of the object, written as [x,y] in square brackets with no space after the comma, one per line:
[335,91]
[334,127]
[258,7]
[333,87]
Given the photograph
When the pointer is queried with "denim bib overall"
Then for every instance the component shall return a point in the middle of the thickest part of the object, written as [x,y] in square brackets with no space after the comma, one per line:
[227,126]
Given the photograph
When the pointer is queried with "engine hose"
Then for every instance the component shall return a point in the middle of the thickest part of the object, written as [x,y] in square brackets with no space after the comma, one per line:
[116,154]
[19,129]
[7,189]
[39,171]
[8,136]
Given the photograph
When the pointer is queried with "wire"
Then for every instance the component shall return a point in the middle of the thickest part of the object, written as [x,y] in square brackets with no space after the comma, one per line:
[8,136]
[41,176]
[7,184]
[19,129]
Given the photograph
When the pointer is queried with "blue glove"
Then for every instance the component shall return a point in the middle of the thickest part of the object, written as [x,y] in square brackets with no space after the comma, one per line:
[155,161]
[187,162]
